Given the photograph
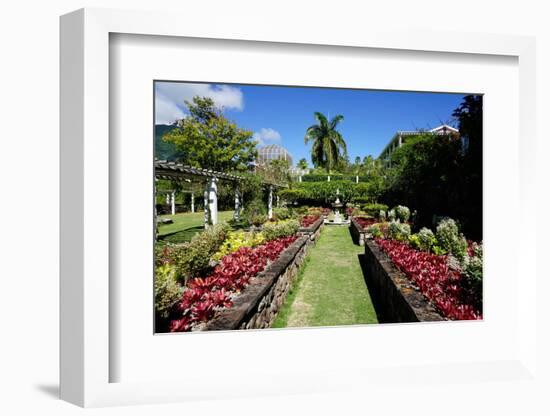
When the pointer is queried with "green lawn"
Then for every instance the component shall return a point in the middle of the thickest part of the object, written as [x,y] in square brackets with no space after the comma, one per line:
[187,224]
[330,288]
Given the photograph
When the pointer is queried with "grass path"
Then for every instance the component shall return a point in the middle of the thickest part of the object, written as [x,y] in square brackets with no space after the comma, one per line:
[330,288]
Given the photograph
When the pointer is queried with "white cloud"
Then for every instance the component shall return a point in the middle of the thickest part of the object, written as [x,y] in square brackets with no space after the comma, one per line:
[166,112]
[171,97]
[267,136]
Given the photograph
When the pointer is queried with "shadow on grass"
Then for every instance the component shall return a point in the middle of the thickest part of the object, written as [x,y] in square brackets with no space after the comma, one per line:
[377,302]
[181,236]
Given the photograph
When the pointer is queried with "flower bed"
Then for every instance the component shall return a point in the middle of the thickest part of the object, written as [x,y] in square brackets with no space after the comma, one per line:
[433,277]
[203,298]
[311,225]
[359,227]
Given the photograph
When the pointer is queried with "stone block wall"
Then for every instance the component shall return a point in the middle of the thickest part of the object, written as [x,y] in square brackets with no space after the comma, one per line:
[358,234]
[395,298]
[257,306]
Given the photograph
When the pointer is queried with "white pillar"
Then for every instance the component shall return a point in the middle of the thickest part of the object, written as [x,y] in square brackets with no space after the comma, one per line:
[300,178]
[356,178]
[237,213]
[206,213]
[173,202]
[400,141]
[167,199]
[277,199]
[270,203]
[192,201]
[213,200]
[328,178]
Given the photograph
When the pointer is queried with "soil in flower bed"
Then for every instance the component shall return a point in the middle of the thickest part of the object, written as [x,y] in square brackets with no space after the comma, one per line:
[204,297]
[435,280]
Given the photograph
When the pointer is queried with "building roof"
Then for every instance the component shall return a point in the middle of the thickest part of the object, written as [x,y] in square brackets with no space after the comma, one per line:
[439,130]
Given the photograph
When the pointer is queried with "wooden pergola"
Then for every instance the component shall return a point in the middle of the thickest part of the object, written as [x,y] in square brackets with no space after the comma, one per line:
[209,178]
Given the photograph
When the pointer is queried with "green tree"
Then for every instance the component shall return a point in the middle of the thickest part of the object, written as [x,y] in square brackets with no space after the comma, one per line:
[328,146]
[207,139]
[302,163]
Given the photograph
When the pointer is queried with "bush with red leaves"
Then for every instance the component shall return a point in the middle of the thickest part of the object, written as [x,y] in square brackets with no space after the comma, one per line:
[204,296]
[308,220]
[431,273]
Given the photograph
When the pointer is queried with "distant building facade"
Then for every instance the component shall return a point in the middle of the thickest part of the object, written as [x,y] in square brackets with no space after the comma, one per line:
[401,136]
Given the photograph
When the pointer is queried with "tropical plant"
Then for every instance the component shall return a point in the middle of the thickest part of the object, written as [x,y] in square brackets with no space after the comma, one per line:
[374,209]
[328,146]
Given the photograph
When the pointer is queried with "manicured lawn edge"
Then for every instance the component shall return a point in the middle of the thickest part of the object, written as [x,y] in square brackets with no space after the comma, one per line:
[399,299]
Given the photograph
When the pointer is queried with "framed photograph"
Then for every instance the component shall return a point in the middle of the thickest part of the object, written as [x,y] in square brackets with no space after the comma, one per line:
[315,213]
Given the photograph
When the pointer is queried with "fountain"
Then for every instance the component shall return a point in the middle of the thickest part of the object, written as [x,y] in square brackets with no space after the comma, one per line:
[337,217]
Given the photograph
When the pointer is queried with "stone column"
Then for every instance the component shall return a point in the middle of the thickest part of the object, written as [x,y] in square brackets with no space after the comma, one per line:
[237,213]
[300,178]
[206,213]
[173,202]
[328,178]
[192,201]
[270,203]
[213,200]
[356,178]
[277,199]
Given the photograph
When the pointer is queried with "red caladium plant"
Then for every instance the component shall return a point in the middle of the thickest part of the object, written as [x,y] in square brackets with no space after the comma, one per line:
[308,220]
[365,222]
[431,273]
[204,296]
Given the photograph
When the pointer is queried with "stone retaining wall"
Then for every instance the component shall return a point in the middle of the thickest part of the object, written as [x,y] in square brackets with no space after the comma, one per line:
[257,306]
[397,300]
[313,231]
[358,234]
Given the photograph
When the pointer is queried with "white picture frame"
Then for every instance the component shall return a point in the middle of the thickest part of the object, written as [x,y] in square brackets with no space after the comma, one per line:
[85,213]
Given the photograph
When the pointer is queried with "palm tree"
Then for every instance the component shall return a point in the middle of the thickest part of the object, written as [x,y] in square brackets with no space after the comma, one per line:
[328,144]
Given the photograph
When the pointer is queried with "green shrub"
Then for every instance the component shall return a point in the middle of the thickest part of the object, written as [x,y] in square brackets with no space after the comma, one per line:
[303,210]
[282,213]
[258,219]
[254,208]
[402,213]
[450,240]
[472,269]
[391,215]
[399,231]
[237,239]
[364,200]
[273,230]
[382,215]
[423,240]
[374,209]
[375,231]
[192,259]
[167,290]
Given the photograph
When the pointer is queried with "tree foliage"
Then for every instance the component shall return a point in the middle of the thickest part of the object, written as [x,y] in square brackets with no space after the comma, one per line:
[328,146]
[440,176]
[207,139]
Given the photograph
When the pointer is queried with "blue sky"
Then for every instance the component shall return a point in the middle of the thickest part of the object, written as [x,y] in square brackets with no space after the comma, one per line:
[281,115]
